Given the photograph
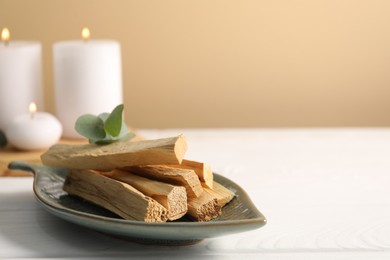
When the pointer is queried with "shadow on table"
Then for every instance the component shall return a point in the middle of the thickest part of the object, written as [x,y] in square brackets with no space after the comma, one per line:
[31,231]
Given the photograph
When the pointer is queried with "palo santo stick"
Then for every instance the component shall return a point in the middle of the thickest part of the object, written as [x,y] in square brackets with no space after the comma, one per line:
[203,208]
[173,198]
[116,155]
[223,195]
[180,177]
[116,196]
[203,171]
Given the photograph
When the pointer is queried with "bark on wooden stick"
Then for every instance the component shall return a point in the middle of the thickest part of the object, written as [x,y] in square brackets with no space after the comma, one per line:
[117,155]
[173,198]
[116,196]
[180,177]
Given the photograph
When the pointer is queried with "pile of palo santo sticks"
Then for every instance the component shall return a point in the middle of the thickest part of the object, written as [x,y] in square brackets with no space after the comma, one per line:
[147,180]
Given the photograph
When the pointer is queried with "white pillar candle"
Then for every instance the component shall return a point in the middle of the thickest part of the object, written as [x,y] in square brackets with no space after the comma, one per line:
[33,131]
[20,77]
[88,79]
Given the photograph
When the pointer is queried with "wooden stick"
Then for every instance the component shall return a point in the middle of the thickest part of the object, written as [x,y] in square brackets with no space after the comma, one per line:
[203,208]
[203,171]
[116,155]
[223,195]
[173,198]
[118,197]
[180,177]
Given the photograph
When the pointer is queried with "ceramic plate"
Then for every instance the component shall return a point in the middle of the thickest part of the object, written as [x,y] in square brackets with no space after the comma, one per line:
[238,216]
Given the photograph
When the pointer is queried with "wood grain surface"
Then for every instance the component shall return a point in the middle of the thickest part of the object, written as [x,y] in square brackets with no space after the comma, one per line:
[9,154]
[324,192]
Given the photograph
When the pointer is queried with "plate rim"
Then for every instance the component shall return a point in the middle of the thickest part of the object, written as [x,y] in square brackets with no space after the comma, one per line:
[72,214]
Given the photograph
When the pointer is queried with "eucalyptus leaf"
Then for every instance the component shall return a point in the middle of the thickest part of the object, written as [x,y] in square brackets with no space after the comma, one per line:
[102,141]
[109,139]
[113,124]
[91,127]
[124,130]
[105,128]
[104,116]
[126,136]
[3,139]
[105,141]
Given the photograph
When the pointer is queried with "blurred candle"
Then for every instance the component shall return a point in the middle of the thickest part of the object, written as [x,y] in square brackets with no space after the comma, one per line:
[87,77]
[34,130]
[20,77]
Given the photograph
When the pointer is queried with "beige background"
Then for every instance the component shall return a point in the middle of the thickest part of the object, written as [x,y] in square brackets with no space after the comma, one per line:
[230,63]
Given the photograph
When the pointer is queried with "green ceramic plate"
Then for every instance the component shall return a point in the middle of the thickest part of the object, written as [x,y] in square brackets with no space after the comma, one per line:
[238,216]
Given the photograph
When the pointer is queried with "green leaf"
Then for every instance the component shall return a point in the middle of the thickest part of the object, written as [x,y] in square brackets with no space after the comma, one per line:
[3,139]
[104,116]
[124,130]
[126,137]
[113,124]
[90,126]
[105,141]
[105,128]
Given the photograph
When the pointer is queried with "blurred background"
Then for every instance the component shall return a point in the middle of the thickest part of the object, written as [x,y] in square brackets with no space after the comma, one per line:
[225,63]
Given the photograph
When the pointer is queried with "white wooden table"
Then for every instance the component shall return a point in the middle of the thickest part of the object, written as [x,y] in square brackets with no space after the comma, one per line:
[325,193]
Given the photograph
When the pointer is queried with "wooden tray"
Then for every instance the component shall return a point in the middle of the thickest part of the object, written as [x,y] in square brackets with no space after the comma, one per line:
[10,154]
